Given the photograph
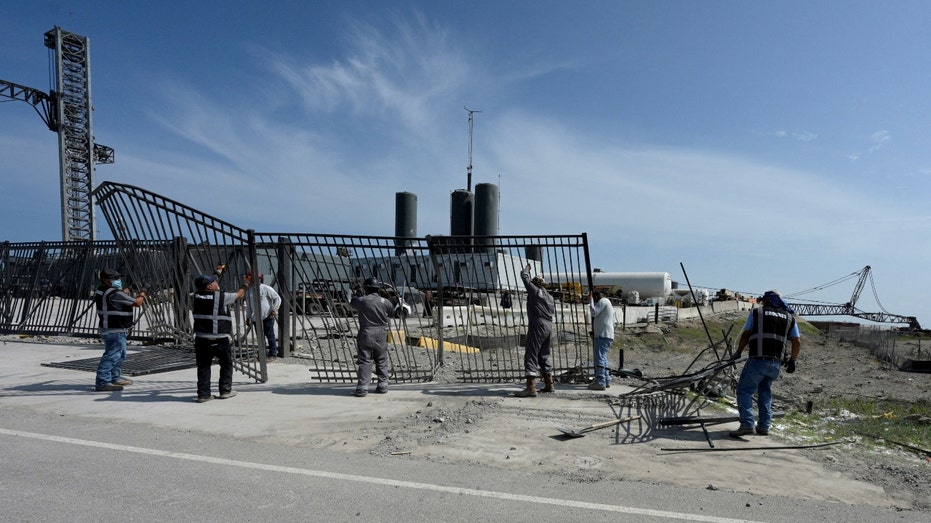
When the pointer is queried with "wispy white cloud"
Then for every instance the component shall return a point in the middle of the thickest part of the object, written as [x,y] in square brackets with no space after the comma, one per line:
[879,139]
[802,136]
[394,73]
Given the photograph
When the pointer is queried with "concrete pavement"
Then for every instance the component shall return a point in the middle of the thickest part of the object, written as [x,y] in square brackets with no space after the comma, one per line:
[284,407]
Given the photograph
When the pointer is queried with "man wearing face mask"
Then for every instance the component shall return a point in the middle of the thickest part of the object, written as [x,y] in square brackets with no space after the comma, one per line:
[115,311]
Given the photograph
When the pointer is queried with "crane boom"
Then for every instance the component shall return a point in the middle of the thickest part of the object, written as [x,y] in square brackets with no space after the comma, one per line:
[850,308]
[864,274]
[42,102]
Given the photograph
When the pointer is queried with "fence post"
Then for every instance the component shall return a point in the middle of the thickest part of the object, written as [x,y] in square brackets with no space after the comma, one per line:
[284,252]
[181,297]
[434,257]
[256,305]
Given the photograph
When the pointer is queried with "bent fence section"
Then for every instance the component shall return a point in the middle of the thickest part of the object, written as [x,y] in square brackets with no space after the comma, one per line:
[468,304]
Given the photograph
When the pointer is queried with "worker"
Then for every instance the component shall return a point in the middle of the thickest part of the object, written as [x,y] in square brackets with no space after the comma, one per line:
[540,309]
[506,301]
[213,325]
[269,303]
[767,330]
[374,308]
[602,313]
[115,313]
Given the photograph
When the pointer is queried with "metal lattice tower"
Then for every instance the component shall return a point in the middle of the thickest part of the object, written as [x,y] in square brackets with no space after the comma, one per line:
[66,110]
[75,133]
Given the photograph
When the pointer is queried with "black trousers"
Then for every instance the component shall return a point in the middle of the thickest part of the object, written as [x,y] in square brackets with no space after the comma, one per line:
[205,350]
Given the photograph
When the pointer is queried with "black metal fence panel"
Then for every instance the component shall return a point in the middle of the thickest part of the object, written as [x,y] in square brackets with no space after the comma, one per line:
[466,298]
[47,288]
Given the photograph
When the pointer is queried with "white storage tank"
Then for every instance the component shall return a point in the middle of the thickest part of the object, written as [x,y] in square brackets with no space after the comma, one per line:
[646,284]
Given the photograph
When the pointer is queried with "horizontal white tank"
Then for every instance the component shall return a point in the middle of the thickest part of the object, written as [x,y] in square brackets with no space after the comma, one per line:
[647,284]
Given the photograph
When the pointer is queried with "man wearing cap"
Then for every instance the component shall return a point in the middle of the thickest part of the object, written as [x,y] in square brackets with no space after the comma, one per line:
[540,308]
[374,308]
[213,325]
[115,312]
[767,330]
[270,300]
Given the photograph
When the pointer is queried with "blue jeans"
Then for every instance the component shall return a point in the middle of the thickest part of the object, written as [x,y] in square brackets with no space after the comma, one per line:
[602,375]
[111,363]
[271,344]
[757,377]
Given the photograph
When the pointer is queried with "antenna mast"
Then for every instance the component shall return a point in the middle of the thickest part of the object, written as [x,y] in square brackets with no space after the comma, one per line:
[469,168]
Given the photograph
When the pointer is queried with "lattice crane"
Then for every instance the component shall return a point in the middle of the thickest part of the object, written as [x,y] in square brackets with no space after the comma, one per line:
[850,308]
[66,110]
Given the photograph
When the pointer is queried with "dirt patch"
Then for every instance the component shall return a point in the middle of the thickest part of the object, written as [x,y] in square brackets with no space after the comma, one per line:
[500,430]
[828,368]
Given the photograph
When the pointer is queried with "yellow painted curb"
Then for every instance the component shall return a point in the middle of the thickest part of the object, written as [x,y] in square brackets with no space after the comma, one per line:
[431,343]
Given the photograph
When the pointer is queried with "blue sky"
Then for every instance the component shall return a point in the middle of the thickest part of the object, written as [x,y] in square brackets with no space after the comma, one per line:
[762,145]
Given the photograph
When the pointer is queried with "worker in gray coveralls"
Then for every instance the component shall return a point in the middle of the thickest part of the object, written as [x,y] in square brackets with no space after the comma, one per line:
[374,309]
[540,307]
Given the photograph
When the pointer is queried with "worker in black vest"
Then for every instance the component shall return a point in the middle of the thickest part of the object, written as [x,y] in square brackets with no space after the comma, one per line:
[115,312]
[213,325]
[767,330]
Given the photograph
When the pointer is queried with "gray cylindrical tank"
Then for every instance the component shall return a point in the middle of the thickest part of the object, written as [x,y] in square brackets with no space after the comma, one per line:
[461,206]
[534,252]
[486,213]
[405,219]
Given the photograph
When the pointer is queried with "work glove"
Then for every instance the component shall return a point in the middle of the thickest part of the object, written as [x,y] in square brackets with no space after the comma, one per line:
[790,365]
[402,309]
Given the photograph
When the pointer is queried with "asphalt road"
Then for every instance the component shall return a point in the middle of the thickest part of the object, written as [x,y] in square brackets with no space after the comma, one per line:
[68,468]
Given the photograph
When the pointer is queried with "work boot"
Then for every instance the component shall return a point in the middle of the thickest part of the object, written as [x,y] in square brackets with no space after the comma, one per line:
[548,383]
[530,391]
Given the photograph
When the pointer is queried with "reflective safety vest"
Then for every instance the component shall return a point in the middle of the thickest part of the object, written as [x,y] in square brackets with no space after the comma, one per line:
[211,317]
[112,315]
[770,332]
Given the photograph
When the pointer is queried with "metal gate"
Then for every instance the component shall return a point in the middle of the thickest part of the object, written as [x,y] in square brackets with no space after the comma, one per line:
[468,305]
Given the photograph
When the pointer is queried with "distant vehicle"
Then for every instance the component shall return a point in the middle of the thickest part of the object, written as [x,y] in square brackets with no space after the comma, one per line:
[725,295]
[320,296]
[610,291]
[308,301]
[456,295]
[569,292]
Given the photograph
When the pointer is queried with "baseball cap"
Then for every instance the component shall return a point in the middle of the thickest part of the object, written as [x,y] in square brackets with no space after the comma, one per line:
[108,274]
[202,281]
